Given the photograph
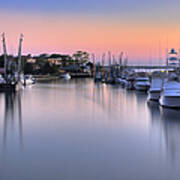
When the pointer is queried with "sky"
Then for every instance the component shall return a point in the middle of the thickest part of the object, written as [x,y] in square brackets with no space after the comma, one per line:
[142,29]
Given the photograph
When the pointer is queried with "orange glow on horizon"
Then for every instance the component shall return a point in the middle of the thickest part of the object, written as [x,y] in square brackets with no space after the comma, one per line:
[66,35]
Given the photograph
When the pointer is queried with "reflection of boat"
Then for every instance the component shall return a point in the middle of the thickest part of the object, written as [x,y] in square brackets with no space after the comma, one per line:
[142,83]
[141,97]
[170,114]
[154,110]
[66,76]
[171,127]
[170,97]
[156,87]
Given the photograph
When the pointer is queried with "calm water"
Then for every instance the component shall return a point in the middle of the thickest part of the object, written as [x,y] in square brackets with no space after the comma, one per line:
[85,131]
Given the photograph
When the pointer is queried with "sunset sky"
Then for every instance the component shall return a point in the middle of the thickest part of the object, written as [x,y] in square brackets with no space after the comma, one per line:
[137,27]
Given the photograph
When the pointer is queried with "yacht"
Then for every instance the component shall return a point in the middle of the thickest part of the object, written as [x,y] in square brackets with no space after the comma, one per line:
[170,96]
[155,87]
[142,83]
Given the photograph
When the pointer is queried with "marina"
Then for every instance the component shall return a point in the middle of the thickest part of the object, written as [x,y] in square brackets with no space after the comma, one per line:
[90,90]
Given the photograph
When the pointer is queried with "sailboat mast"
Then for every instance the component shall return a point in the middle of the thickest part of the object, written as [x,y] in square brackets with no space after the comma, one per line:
[167,53]
[19,54]
[5,54]
[94,66]
[109,54]
[103,60]
[120,59]
[160,53]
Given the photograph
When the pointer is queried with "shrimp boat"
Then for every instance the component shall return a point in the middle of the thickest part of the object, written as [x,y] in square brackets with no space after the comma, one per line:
[141,82]
[156,86]
[11,81]
[170,96]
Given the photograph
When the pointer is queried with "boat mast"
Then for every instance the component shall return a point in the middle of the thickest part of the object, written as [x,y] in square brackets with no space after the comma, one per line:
[19,54]
[5,54]
[167,54]
[109,54]
[120,59]
[94,66]
[160,54]
[103,60]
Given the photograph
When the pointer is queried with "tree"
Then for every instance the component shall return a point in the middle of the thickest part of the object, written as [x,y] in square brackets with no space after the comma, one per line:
[55,56]
[81,57]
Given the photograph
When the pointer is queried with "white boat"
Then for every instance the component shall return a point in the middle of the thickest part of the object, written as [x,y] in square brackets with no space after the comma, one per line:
[170,96]
[121,81]
[155,88]
[142,83]
[66,76]
[27,79]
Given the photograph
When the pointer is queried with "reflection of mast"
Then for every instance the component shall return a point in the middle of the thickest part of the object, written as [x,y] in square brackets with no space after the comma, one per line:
[20,122]
[12,102]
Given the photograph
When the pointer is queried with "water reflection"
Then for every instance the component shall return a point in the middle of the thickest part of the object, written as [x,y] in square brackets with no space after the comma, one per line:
[167,123]
[154,110]
[78,129]
[12,118]
[171,125]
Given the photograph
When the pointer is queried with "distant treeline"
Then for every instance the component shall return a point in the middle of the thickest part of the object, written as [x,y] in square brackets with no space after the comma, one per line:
[53,63]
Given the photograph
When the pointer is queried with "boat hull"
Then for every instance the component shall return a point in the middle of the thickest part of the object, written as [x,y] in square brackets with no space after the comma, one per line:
[154,95]
[141,87]
[170,101]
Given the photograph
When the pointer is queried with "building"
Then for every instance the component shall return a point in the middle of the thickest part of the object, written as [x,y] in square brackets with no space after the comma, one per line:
[173,58]
[56,61]
[31,60]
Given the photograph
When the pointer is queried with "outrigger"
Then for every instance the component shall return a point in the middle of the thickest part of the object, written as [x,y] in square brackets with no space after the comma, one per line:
[12,71]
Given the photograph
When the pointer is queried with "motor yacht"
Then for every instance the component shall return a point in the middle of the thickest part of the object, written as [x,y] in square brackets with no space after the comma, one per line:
[170,96]
[156,86]
[142,83]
